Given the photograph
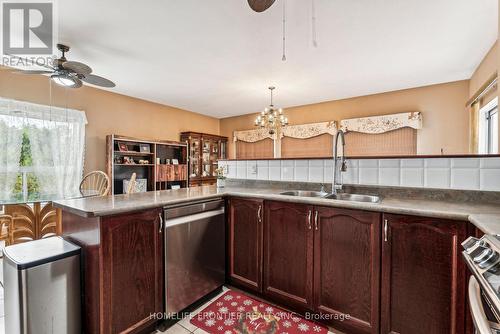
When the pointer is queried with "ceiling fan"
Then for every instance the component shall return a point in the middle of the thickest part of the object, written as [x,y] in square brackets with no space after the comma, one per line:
[70,74]
[260,5]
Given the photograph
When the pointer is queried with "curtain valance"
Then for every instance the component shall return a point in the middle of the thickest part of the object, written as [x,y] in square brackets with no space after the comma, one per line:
[381,124]
[252,136]
[301,131]
[29,110]
[310,130]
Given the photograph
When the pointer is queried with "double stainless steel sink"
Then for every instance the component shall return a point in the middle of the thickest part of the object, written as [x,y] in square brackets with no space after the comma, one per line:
[304,193]
[339,196]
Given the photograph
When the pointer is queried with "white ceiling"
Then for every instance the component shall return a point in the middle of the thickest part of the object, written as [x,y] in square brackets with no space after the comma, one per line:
[217,57]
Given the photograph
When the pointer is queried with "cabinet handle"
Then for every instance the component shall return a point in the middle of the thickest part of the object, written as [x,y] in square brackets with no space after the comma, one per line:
[161,222]
[309,225]
[259,214]
[385,230]
[316,226]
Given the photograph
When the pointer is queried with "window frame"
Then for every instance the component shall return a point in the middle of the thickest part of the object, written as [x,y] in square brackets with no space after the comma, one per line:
[486,113]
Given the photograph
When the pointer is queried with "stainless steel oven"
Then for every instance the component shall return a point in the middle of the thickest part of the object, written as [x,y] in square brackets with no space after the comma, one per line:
[194,252]
[483,259]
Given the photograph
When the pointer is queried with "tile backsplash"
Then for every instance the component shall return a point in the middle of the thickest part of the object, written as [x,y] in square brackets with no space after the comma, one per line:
[440,173]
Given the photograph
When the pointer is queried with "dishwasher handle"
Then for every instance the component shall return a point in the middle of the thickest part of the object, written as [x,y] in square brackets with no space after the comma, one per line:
[195,217]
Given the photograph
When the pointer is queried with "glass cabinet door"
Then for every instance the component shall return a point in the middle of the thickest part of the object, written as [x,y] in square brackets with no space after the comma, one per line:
[206,164]
[194,162]
[223,149]
[214,155]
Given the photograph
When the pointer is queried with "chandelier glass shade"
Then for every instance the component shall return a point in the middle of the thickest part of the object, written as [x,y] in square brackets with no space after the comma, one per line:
[271,118]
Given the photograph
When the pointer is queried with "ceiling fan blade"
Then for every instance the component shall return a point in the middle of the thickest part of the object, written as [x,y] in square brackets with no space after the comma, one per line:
[98,81]
[77,67]
[32,71]
[260,5]
[78,83]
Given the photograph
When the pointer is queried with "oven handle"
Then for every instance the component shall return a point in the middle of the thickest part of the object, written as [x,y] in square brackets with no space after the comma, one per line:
[476,308]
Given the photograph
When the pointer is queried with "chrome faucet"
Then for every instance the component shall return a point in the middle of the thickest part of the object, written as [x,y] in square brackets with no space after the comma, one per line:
[336,185]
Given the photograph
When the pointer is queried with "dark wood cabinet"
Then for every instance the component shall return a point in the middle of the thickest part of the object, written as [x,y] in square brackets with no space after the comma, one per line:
[288,254]
[122,268]
[423,276]
[133,271]
[245,222]
[204,152]
[347,268]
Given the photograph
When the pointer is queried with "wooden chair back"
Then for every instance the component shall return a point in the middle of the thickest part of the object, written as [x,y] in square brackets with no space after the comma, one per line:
[33,221]
[95,183]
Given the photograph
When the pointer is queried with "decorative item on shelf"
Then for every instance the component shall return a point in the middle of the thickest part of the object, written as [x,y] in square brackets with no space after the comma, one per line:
[128,161]
[167,161]
[118,159]
[144,148]
[175,162]
[176,186]
[158,161]
[221,177]
[143,162]
[122,147]
[141,186]
[272,118]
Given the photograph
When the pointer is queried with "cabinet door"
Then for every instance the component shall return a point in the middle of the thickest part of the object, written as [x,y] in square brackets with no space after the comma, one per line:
[347,268]
[288,253]
[245,242]
[132,271]
[423,276]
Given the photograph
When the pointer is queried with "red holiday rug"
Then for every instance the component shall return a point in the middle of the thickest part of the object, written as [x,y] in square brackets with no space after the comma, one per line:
[236,313]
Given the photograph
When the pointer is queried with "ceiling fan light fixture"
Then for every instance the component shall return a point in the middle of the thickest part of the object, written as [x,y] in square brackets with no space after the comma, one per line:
[65,80]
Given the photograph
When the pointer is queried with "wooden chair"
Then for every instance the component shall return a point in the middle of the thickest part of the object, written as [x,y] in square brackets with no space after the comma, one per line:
[32,221]
[95,183]
[5,224]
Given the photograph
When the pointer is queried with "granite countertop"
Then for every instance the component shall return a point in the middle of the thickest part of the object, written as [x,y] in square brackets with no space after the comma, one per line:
[485,216]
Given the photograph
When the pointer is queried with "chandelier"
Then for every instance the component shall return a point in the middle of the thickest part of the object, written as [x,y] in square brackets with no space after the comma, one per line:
[272,118]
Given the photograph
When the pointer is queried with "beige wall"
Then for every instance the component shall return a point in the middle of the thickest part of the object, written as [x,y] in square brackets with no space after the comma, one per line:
[487,68]
[108,113]
[445,118]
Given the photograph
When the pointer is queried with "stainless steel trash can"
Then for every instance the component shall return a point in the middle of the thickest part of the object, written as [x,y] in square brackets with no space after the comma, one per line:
[42,291]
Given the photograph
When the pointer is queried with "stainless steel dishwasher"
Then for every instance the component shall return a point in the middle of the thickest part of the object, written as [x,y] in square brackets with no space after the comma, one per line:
[194,252]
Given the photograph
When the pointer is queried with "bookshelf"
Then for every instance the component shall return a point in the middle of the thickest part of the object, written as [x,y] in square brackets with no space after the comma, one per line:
[158,164]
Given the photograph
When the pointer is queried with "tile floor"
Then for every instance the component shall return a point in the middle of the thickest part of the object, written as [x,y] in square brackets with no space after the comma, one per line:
[184,326]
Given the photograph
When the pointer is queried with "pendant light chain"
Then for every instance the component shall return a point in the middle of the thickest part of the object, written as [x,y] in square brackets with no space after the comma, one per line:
[283,58]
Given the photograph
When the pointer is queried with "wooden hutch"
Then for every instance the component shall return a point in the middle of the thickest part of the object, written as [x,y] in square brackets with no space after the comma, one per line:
[204,152]
[163,164]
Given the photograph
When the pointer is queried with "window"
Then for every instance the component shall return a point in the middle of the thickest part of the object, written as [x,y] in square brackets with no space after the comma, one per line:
[41,151]
[488,128]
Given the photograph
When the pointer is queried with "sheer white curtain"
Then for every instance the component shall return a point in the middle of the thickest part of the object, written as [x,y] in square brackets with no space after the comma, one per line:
[10,152]
[57,142]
